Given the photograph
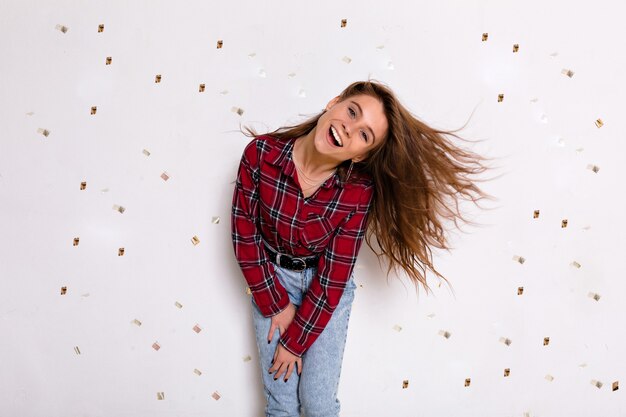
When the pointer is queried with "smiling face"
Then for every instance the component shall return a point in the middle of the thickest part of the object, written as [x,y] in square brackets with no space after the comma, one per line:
[360,124]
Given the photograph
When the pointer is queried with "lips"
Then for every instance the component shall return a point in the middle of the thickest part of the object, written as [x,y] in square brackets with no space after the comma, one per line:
[331,139]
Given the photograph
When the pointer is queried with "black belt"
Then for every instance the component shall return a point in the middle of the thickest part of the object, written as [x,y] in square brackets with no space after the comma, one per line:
[294,263]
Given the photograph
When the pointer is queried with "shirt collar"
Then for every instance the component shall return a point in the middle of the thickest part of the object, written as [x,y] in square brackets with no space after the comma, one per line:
[280,155]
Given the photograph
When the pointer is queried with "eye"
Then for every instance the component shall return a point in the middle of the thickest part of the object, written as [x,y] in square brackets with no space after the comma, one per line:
[354,113]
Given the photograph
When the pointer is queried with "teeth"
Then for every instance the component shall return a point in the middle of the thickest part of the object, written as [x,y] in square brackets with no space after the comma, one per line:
[336,136]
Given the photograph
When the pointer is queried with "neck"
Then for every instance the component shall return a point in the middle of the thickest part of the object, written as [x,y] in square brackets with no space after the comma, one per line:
[310,160]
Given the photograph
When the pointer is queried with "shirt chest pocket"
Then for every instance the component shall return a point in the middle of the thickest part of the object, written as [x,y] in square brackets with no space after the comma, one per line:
[316,231]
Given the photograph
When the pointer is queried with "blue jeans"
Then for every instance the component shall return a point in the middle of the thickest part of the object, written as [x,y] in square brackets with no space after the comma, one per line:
[314,392]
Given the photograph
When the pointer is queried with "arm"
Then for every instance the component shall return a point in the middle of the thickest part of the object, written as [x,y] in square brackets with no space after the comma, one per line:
[269,295]
[333,272]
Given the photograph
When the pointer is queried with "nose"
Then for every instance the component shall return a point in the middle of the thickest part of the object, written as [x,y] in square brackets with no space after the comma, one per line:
[346,130]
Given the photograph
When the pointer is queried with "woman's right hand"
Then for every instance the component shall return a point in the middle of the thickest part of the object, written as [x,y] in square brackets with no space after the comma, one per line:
[281,321]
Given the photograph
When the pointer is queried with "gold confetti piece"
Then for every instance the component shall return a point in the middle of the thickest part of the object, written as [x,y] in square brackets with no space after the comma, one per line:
[536,214]
[534,100]
[549,377]
[146,152]
[164,176]
[62,28]
[444,333]
[575,264]
[93,109]
[431,315]
[467,382]
[247,358]
[160,395]
[120,252]
[197,371]
[118,208]
[546,341]
[44,132]
[567,72]
[237,110]
[515,47]
[197,329]
[75,241]
[85,295]
[346,59]
[519,259]
[156,346]
[485,36]
[520,290]
[500,98]
[216,396]
[615,386]
[405,384]
[507,371]
[563,223]
[63,290]
[100,28]
[83,185]
[195,240]
[201,89]
[177,304]
[136,322]
[77,350]
[594,296]
[252,54]
[582,365]
[108,61]
[599,123]
[157,78]
[291,75]
[506,341]
[594,168]
[598,384]
[248,291]
[344,22]
[215,220]
[219,44]
[526,414]
[397,328]
[224,92]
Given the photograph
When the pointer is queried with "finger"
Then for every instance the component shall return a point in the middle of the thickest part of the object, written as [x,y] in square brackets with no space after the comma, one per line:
[281,370]
[271,333]
[274,365]
[289,370]
[299,364]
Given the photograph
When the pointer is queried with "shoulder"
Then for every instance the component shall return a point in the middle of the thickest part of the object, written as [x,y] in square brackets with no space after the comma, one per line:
[360,188]
[360,181]
[264,146]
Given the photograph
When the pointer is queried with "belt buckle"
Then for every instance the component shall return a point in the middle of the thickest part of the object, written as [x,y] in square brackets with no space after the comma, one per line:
[303,264]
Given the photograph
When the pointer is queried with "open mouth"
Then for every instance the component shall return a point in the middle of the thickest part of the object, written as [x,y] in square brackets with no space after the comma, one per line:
[332,140]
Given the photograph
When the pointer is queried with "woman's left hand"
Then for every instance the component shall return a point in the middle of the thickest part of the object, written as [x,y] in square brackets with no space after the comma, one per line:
[285,361]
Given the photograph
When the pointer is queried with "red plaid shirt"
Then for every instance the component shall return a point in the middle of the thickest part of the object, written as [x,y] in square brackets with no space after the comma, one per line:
[268,204]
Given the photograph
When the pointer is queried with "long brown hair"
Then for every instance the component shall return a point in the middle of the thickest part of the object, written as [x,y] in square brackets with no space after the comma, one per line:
[414,170]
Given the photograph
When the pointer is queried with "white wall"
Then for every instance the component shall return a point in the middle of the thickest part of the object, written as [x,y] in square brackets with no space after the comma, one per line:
[281,59]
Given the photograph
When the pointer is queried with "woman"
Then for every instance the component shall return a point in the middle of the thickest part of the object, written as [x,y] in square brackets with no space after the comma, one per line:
[303,201]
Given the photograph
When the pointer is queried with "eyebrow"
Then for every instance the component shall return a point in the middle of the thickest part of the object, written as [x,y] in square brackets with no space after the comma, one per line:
[370,129]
